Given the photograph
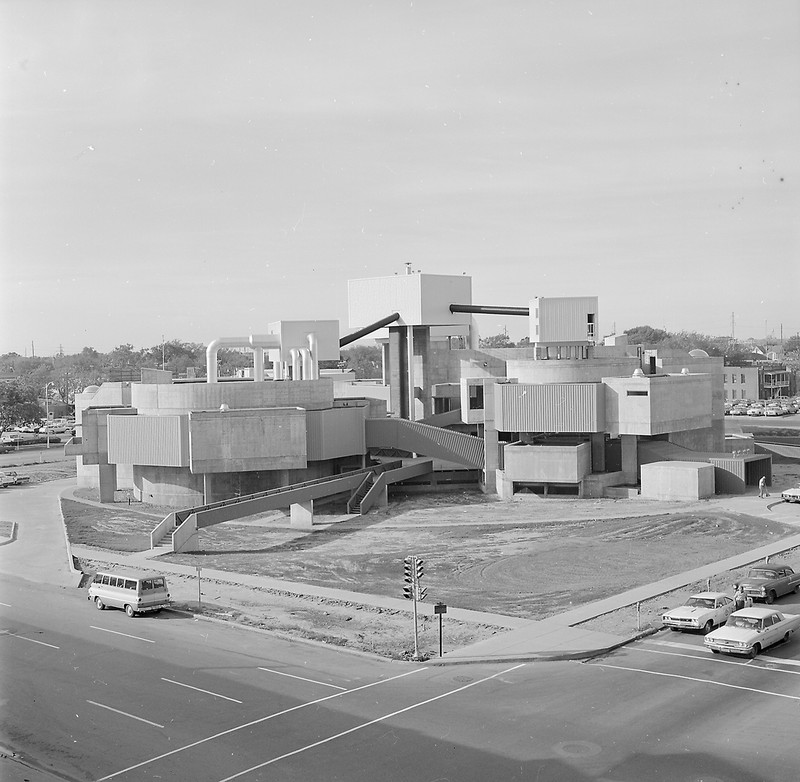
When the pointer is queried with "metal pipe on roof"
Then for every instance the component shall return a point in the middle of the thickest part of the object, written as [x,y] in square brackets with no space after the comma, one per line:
[483,310]
[378,324]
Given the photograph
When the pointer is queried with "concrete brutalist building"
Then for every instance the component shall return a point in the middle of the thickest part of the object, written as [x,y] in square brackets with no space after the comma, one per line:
[569,414]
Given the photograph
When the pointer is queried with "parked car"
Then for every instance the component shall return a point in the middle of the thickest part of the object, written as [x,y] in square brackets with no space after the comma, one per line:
[751,630]
[12,478]
[738,411]
[703,611]
[54,429]
[791,495]
[755,411]
[768,582]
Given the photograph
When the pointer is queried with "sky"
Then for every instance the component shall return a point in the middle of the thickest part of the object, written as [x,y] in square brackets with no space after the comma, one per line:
[187,169]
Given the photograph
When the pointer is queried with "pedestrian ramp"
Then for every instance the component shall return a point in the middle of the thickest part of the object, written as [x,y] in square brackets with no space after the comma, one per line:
[366,487]
[426,440]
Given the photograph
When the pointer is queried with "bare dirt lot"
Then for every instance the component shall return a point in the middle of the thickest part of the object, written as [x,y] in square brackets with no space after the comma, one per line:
[528,558]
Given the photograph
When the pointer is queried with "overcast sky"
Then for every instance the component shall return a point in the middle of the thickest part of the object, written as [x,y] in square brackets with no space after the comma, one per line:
[198,169]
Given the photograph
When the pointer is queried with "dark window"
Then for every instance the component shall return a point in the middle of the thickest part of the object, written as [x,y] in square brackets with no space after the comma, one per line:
[637,393]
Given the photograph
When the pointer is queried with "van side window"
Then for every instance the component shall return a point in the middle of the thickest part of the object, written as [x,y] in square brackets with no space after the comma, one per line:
[98,578]
[106,580]
[147,583]
[130,583]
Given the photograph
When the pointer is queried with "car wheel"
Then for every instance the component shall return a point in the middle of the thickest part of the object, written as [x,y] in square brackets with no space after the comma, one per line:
[769,598]
[675,629]
[708,627]
[129,611]
[755,651]
[715,651]
[99,604]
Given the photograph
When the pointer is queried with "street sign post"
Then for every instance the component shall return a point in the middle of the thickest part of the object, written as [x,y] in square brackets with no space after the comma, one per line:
[441,610]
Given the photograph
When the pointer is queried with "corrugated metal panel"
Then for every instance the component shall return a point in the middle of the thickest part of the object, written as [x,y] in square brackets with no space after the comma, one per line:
[334,433]
[426,440]
[160,441]
[551,407]
[565,319]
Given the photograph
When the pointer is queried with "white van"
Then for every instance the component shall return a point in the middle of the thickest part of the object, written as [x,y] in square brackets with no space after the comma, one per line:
[136,592]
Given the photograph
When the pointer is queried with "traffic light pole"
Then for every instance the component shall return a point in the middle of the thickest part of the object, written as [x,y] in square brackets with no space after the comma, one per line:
[416,630]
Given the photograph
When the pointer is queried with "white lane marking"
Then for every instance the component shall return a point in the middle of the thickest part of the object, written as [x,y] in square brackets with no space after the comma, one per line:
[25,638]
[302,678]
[138,638]
[7,605]
[371,722]
[696,679]
[207,692]
[257,722]
[761,657]
[721,661]
[125,714]
[673,644]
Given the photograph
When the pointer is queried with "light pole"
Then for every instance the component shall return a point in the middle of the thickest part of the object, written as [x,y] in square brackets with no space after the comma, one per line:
[47,412]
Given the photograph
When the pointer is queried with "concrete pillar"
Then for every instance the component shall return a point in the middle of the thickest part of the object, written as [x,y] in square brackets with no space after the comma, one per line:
[398,371]
[490,440]
[107,474]
[598,452]
[630,457]
[302,514]
[421,340]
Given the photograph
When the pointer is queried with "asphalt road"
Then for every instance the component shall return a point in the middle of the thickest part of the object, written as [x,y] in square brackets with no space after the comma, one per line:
[95,695]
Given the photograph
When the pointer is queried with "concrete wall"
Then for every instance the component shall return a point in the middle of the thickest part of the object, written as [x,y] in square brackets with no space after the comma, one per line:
[651,405]
[157,399]
[571,370]
[677,481]
[335,433]
[172,486]
[243,440]
[547,463]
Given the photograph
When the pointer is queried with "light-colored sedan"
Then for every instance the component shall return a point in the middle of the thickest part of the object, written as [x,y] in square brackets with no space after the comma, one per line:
[751,630]
[791,495]
[703,611]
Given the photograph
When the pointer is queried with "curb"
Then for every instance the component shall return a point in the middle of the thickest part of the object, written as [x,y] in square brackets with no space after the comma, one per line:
[583,654]
[11,537]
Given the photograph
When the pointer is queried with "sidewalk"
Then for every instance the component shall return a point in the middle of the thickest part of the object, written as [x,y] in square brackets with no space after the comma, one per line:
[555,638]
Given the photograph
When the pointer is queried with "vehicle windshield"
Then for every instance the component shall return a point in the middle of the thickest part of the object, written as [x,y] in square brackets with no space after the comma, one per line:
[700,602]
[745,622]
[761,574]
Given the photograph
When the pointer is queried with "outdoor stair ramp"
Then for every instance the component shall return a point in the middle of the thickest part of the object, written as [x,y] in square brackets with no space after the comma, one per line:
[177,528]
[424,439]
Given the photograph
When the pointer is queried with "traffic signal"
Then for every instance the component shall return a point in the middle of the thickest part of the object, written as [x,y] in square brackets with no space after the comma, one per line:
[408,570]
[423,593]
[408,592]
[418,571]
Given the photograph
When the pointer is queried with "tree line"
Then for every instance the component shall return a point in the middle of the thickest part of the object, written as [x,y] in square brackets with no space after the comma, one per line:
[26,381]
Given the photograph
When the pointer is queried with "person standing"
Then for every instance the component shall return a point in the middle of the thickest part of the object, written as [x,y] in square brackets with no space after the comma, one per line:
[739,597]
[762,487]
